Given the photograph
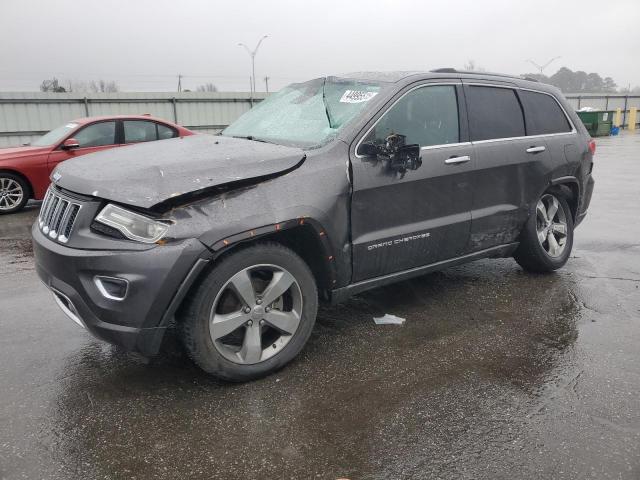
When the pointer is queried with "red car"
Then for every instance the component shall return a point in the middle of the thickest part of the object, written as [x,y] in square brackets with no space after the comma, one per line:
[24,171]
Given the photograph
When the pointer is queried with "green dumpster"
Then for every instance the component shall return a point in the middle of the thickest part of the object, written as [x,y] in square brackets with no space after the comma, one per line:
[598,123]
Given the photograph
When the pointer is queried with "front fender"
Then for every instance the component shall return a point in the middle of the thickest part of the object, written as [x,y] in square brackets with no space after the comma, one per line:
[316,195]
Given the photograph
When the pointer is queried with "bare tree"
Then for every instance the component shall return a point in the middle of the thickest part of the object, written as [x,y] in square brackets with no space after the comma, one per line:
[77,86]
[472,66]
[207,87]
[52,86]
[93,86]
[103,86]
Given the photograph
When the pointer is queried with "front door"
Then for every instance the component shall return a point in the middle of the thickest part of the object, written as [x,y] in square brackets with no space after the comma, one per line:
[418,214]
[92,138]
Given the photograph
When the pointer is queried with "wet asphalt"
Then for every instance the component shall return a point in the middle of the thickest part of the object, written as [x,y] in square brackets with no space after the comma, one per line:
[495,374]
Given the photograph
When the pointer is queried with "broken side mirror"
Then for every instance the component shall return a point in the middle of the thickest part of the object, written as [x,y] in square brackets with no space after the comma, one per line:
[405,157]
[368,149]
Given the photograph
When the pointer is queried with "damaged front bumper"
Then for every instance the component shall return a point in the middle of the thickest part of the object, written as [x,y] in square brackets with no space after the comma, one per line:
[156,281]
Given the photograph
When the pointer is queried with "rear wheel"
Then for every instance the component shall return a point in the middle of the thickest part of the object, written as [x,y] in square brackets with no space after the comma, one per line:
[14,193]
[547,238]
[252,314]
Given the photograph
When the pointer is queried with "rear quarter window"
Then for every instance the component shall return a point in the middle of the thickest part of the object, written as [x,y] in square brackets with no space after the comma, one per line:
[165,132]
[494,112]
[544,115]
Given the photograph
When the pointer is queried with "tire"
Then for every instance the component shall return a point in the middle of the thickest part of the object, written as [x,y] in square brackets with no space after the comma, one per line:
[237,337]
[537,251]
[14,193]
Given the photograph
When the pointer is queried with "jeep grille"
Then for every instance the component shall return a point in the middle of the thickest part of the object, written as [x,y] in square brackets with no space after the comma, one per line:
[57,216]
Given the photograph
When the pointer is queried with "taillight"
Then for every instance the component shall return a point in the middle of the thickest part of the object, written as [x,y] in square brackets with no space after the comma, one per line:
[592,147]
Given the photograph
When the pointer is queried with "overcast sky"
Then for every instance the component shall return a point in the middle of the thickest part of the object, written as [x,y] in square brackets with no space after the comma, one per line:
[144,44]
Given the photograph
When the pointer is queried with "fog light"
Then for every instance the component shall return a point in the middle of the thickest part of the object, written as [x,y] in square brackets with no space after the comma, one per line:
[111,287]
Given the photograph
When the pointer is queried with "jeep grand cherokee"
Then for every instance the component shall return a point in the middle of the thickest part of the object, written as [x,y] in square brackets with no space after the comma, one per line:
[325,189]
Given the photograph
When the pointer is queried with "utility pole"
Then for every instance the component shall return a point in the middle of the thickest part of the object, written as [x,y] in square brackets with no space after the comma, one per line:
[542,67]
[179,83]
[252,54]
[266,83]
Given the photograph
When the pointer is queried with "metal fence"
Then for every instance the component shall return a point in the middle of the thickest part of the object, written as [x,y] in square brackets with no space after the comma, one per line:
[605,102]
[26,116]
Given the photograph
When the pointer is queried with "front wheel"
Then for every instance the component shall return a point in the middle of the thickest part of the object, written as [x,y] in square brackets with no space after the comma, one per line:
[251,314]
[14,193]
[547,237]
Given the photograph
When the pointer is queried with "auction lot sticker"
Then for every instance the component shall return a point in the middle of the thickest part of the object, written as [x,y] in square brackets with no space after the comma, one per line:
[357,96]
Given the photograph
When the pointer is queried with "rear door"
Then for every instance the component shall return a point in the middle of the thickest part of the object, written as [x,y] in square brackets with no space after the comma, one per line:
[136,131]
[91,138]
[545,117]
[407,219]
[508,167]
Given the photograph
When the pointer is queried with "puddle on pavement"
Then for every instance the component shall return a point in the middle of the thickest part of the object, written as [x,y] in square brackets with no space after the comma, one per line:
[479,341]
[15,255]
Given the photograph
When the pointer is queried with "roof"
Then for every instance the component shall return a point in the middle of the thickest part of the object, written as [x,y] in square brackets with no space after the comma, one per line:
[84,120]
[390,77]
[396,76]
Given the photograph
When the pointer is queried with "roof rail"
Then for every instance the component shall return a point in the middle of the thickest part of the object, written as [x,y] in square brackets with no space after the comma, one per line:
[453,70]
[444,70]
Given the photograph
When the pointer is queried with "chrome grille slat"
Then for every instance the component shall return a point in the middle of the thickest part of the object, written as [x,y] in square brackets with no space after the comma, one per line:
[50,213]
[45,204]
[73,212]
[45,207]
[62,209]
[57,216]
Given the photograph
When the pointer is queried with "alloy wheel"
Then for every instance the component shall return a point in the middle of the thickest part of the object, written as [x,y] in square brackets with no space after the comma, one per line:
[551,225]
[11,193]
[255,314]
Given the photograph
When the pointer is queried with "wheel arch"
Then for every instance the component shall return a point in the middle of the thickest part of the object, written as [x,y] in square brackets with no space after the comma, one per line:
[303,235]
[570,189]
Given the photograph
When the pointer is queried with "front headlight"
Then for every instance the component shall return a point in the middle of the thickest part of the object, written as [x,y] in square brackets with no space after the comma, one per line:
[132,225]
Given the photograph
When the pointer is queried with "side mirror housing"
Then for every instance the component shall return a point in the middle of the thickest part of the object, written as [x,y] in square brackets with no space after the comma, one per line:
[406,157]
[369,150]
[70,143]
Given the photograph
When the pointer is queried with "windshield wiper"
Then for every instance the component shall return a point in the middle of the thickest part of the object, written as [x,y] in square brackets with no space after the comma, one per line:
[324,101]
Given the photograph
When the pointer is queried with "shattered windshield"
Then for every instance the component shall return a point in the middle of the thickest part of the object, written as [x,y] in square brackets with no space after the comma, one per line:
[305,114]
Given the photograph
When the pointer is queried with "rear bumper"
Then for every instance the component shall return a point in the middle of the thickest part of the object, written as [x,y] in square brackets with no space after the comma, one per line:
[586,199]
[156,277]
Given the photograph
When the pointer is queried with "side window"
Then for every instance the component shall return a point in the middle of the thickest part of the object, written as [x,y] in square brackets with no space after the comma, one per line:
[426,116]
[544,115]
[139,131]
[97,134]
[165,132]
[494,113]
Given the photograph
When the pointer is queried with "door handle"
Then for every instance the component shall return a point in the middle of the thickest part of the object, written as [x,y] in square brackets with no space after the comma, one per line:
[455,160]
[536,149]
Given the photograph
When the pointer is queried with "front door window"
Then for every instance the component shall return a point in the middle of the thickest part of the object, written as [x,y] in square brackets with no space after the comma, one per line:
[97,135]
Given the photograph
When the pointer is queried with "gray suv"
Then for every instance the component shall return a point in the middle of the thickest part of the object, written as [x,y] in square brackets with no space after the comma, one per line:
[327,188]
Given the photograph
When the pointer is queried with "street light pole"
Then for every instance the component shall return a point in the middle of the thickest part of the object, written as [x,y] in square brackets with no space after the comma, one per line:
[542,67]
[252,54]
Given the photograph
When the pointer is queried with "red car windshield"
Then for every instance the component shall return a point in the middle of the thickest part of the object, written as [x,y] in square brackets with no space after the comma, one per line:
[55,135]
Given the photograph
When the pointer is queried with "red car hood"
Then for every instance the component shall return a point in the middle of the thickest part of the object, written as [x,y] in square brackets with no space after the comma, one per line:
[18,152]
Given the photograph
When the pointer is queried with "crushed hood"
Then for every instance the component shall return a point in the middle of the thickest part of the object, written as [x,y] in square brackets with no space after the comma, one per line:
[147,174]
